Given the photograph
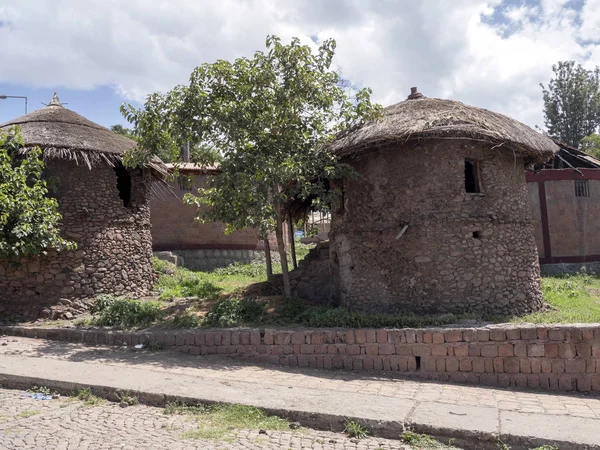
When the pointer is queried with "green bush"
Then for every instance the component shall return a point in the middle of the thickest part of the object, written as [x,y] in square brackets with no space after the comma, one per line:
[230,312]
[179,282]
[253,270]
[109,310]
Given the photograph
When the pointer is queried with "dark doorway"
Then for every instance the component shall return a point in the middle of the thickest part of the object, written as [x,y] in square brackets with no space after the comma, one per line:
[123,184]
[472,177]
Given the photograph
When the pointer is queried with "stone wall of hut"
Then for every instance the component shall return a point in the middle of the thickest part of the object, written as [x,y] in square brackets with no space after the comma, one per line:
[460,251]
[114,253]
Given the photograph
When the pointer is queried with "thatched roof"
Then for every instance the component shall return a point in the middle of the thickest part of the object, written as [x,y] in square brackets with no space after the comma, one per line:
[420,117]
[62,133]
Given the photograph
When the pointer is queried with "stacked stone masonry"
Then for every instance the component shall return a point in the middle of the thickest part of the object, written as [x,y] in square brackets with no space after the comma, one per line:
[561,358]
[408,237]
[114,253]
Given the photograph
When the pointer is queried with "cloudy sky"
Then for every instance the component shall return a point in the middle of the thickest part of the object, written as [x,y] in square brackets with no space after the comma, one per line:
[100,53]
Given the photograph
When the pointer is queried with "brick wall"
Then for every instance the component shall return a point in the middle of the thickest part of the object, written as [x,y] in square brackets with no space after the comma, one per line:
[174,228]
[564,358]
[566,226]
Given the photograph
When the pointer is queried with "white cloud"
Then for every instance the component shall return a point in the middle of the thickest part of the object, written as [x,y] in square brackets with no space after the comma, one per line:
[482,52]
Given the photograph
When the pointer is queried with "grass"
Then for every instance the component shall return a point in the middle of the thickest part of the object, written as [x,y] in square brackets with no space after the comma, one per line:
[126,398]
[572,298]
[27,413]
[125,313]
[88,399]
[355,430]
[421,441]
[220,422]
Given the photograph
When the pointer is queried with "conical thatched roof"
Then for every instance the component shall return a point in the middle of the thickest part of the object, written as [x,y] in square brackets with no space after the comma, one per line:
[420,117]
[62,133]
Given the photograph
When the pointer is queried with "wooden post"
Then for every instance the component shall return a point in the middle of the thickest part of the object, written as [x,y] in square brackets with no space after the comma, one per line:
[268,259]
[292,241]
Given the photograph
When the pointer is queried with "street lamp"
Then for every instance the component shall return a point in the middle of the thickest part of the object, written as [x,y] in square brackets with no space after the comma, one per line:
[4,97]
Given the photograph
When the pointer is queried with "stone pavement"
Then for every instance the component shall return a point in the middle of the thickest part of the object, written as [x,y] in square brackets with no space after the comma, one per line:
[67,424]
[386,404]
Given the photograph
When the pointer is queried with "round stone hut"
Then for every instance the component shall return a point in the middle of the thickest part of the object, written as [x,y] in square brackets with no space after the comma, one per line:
[105,211]
[438,219]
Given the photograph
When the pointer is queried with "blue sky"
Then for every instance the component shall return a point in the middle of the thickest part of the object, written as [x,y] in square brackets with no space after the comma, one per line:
[98,54]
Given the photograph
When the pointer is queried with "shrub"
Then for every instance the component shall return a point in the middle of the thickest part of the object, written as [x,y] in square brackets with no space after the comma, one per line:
[109,310]
[180,282]
[252,270]
[355,429]
[186,320]
[231,312]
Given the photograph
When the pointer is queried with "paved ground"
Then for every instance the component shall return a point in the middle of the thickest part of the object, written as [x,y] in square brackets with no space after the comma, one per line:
[465,409]
[68,424]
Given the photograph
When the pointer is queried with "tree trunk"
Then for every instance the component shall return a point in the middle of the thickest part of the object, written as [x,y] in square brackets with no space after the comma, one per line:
[287,290]
[268,259]
[292,241]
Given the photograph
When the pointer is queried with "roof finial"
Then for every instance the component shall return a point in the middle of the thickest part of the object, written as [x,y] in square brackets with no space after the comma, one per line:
[414,93]
[55,101]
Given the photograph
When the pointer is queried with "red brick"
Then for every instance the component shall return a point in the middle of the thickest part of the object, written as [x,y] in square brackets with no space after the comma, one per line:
[440,364]
[372,349]
[498,365]
[505,350]
[353,349]
[371,336]
[419,336]
[566,382]
[368,364]
[350,337]
[584,383]
[536,350]
[529,334]
[244,338]
[396,337]
[478,365]
[556,334]
[427,337]
[596,350]
[497,334]
[551,350]
[307,349]
[469,335]
[524,365]
[357,365]
[360,336]
[298,337]
[453,336]
[489,379]
[465,365]
[566,351]
[412,364]
[452,365]
[489,351]
[512,365]
[590,366]
[332,349]
[520,350]
[588,334]
[536,365]
[439,350]
[235,338]
[584,349]
[474,350]
[483,335]
[513,334]
[410,336]
[546,365]
[421,349]
[437,337]
[428,364]
[387,349]
[461,350]
[268,337]
[596,382]
[558,365]
[533,381]
[404,350]
[382,337]
[377,363]
[575,366]
[255,338]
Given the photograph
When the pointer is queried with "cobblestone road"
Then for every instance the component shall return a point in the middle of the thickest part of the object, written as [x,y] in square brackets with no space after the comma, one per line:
[67,424]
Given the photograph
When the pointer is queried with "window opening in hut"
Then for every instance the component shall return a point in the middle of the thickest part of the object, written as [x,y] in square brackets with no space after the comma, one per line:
[418,362]
[476,234]
[582,188]
[123,184]
[472,177]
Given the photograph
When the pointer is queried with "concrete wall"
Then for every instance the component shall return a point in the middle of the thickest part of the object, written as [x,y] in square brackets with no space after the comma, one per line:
[558,358]
[460,252]
[566,227]
[114,252]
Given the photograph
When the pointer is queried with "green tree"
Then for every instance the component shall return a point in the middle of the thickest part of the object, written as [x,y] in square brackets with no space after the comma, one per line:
[29,219]
[572,102]
[270,117]
[120,129]
[591,145]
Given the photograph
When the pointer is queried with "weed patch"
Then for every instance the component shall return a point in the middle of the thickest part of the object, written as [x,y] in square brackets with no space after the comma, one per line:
[27,413]
[421,441]
[230,312]
[126,398]
[125,313]
[355,430]
[220,422]
[88,399]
